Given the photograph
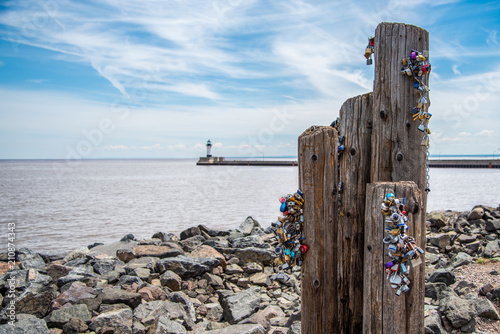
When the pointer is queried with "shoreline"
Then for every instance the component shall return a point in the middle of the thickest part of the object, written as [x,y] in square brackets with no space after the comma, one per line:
[213,281]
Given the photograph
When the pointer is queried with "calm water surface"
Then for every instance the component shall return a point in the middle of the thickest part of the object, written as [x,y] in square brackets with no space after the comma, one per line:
[56,205]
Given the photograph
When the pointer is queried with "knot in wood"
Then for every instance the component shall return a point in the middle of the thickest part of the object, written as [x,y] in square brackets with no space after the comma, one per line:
[383,114]
[316,283]
[399,156]
[314,157]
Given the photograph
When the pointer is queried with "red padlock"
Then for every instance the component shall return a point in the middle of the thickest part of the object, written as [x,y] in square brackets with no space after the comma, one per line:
[426,68]
[371,41]
[303,248]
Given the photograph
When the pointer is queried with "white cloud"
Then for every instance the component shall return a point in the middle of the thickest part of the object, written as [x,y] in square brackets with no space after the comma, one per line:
[485,133]
[492,37]
[455,70]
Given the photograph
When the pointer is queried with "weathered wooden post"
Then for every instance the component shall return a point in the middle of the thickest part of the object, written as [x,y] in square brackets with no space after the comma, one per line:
[382,143]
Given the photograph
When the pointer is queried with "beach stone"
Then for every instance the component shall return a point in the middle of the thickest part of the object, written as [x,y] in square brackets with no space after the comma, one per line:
[208,251]
[214,311]
[115,296]
[442,275]
[253,254]
[461,259]
[147,313]
[476,213]
[29,259]
[485,309]
[217,242]
[467,238]
[171,280]
[151,292]
[106,265]
[214,280]
[247,226]
[232,269]
[491,248]
[58,318]
[125,255]
[241,305]
[165,237]
[250,241]
[239,329]
[77,295]
[492,225]
[52,255]
[186,267]
[437,219]
[26,326]
[458,311]
[187,305]
[440,240]
[433,324]
[130,280]
[262,317]
[252,268]
[75,326]
[119,321]
[259,279]
[190,232]
[163,325]
[147,262]
[156,251]
[36,300]
[473,247]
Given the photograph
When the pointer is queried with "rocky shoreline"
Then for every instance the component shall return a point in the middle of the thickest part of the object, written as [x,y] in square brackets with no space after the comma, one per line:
[208,281]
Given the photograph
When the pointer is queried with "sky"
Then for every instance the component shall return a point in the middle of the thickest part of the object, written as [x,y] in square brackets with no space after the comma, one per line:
[156,79]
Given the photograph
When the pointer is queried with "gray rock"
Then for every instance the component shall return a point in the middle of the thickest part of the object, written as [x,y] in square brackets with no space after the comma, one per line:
[186,267]
[295,328]
[165,237]
[147,262]
[78,295]
[492,225]
[461,259]
[435,290]
[187,305]
[491,248]
[147,313]
[190,244]
[163,325]
[239,329]
[458,311]
[476,213]
[432,258]
[485,309]
[190,232]
[36,300]
[128,237]
[138,328]
[29,259]
[232,269]
[440,240]
[214,280]
[433,324]
[250,241]
[437,219]
[469,327]
[52,255]
[241,305]
[253,254]
[116,296]
[129,280]
[171,280]
[75,326]
[214,312]
[467,238]
[26,326]
[104,266]
[442,275]
[247,226]
[58,318]
[119,321]
[217,242]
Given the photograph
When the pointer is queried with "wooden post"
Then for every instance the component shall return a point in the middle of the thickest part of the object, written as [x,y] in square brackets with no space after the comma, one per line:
[384,312]
[318,181]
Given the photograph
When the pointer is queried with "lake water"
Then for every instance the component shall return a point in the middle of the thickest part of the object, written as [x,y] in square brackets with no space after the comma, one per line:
[57,205]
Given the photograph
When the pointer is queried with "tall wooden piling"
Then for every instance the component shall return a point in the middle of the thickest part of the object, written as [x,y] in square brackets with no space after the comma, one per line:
[382,143]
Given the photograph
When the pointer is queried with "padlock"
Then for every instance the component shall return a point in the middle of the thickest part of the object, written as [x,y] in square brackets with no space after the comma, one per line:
[368,52]
[404,61]
[421,127]
[303,248]
[369,61]
[426,68]
[413,55]
[425,141]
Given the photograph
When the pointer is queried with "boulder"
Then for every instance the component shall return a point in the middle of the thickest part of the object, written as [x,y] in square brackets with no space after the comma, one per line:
[119,321]
[29,259]
[239,306]
[157,251]
[253,254]
[171,280]
[106,265]
[434,290]
[247,226]
[25,326]
[215,281]
[491,248]
[442,275]
[485,309]
[476,213]
[440,240]
[250,241]
[433,324]
[461,259]
[208,251]
[186,267]
[36,300]
[116,296]
[151,292]
[214,312]
[163,325]
[239,329]
[259,279]
[437,219]
[147,262]
[458,311]
[165,237]
[78,295]
[58,318]
[217,242]
[75,326]
[187,306]
[492,225]
[147,313]
[232,269]
[295,328]
[467,238]
[56,271]
[262,317]
[190,244]
[190,232]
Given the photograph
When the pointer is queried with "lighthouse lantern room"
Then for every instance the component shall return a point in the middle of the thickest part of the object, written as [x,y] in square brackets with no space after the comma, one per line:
[209,149]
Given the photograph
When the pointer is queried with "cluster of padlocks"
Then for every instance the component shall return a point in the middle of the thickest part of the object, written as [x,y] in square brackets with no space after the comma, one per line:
[402,248]
[416,66]
[288,231]
[369,50]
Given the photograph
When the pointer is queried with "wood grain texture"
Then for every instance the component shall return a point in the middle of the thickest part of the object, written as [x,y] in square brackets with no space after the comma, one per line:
[384,312]
[318,181]
[355,125]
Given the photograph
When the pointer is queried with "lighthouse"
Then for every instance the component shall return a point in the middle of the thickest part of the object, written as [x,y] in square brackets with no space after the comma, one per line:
[209,149]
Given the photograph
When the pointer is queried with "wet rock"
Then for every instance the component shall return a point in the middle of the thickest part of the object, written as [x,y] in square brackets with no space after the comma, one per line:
[190,232]
[58,318]
[157,251]
[171,280]
[238,306]
[26,326]
[442,275]
[115,296]
[163,325]
[119,321]
[186,267]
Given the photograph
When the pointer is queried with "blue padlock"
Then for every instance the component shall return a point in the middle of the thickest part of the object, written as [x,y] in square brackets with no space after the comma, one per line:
[283,207]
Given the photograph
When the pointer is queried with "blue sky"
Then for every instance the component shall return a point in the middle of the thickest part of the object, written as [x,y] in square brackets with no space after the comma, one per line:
[122,78]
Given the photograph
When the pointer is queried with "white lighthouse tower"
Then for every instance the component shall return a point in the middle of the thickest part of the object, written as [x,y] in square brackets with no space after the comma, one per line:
[209,149]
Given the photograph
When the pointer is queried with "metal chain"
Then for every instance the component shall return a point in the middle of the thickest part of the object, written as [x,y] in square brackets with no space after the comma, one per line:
[427,177]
